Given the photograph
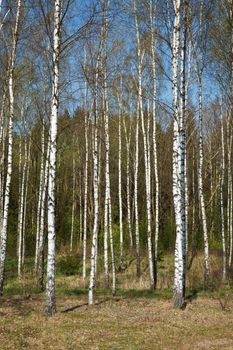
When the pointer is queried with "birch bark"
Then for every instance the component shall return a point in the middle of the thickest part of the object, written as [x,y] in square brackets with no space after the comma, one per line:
[108,204]
[40,197]
[85,176]
[146,151]
[199,73]
[73,203]
[179,162]
[137,234]
[128,192]
[21,211]
[25,201]
[120,185]
[96,174]
[10,147]
[229,154]
[41,242]
[50,303]
[156,176]
[221,197]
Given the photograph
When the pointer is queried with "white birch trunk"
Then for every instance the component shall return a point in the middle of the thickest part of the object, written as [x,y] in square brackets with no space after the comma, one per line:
[146,153]
[96,217]
[107,181]
[106,216]
[153,46]
[2,156]
[137,234]
[229,189]
[120,186]
[50,304]
[21,211]
[193,206]
[179,163]
[128,194]
[42,221]
[230,229]
[229,153]
[40,196]
[10,145]
[25,203]
[200,190]
[221,197]
[199,71]
[108,205]
[96,175]
[85,178]
[80,210]
[20,187]
[73,206]
[186,164]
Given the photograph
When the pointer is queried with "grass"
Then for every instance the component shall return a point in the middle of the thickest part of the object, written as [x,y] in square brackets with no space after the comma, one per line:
[136,318]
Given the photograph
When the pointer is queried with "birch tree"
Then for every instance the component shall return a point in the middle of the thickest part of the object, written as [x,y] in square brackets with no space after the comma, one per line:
[50,304]
[12,60]
[199,71]
[229,153]
[146,150]
[85,175]
[178,163]
[137,234]
[96,174]
[120,181]
[73,202]
[221,196]
[128,192]
[39,204]
[21,210]
[153,58]
[108,203]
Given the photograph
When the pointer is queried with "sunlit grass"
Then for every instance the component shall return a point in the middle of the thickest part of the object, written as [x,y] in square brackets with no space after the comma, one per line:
[135,318]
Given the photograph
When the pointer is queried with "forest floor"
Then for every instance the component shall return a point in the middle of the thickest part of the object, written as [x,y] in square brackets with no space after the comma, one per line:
[136,318]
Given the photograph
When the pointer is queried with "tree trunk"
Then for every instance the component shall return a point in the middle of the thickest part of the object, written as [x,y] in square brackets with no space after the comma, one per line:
[96,177]
[146,154]
[221,198]
[156,176]
[21,211]
[10,146]
[120,185]
[73,206]
[25,203]
[137,237]
[40,197]
[85,179]
[179,161]
[50,303]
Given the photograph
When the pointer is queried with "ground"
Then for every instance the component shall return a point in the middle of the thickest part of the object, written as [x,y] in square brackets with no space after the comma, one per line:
[120,323]
[134,319]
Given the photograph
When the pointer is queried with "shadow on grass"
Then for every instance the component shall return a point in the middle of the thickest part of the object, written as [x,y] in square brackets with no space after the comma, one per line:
[121,294]
[97,303]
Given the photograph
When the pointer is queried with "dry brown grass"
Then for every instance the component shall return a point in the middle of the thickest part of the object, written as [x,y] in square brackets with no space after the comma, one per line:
[119,323]
[135,319]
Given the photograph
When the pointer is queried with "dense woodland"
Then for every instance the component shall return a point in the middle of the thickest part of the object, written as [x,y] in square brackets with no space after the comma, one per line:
[116,139]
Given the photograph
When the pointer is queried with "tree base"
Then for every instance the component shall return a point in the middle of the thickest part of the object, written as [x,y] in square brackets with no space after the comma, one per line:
[49,310]
[179,300]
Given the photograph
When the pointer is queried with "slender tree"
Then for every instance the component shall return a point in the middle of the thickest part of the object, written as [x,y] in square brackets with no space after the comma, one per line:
[50,303]
[146,150]
[179,161]
[10,145]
